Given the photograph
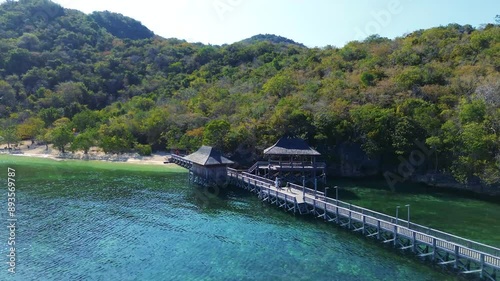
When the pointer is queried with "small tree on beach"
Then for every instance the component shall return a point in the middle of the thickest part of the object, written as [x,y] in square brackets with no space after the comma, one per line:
[30,128]
[115,137]
[9,136]
[84,141]
[44,137]
[60,137]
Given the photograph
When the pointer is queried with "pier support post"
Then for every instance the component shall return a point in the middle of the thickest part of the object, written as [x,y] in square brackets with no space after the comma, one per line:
[395,235]
[378,230]
[324,215]
[350,214]
[315,186]
[304,188]
[364,222]
[481,260]
[434,249]
[414,240]
[456,257]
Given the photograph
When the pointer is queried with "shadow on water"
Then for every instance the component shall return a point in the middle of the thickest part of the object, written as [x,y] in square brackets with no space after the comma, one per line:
[459,212]
[344,194]
[213,199]
[409,189]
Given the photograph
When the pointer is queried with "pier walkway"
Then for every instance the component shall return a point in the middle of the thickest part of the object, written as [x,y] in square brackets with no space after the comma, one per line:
[462,255]
[465,256]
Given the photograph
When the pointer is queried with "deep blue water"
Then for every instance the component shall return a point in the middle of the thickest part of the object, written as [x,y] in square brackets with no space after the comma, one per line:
[78,224]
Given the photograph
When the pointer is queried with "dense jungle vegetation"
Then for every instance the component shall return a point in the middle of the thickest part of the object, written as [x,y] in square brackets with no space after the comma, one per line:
[103,79]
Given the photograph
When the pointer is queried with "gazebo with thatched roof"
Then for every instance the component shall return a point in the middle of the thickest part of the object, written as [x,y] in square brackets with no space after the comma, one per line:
[293,160]
[209,167]
[287,147]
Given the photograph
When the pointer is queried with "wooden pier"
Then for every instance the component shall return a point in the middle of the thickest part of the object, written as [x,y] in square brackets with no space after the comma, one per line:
[206,166]
[179,160]
[464,256]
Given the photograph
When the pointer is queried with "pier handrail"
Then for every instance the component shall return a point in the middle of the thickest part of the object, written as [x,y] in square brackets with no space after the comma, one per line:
[423,229]
[491,252]
[266,183]
[457,239]
[255,166]
[308,190]
[252,176]
[178,157]
[295,164]
[298,164]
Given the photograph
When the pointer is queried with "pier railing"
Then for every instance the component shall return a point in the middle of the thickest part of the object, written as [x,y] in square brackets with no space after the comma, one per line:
[417,227]
[458,246]
[456,239]
[256,166]
[298,164]
[264,184]
[307,190]
[255,177]
[288,165]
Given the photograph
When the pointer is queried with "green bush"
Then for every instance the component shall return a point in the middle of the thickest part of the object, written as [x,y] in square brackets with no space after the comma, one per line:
[143,149]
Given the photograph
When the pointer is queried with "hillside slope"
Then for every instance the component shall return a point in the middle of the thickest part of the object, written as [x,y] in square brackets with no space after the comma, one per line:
[368,107]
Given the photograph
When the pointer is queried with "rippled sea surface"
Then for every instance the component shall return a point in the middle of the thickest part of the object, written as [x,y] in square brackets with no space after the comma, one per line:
[82,223]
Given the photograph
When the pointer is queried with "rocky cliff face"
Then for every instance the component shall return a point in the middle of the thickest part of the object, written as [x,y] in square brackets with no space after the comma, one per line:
[352,162]
[446,180]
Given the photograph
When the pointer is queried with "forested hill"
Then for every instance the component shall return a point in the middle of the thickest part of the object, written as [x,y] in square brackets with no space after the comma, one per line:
[366,106]
[121,26]
[272,39]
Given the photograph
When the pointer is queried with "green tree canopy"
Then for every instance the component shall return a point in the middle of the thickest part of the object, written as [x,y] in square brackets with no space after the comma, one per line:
[61,136]
[30,128]
[84,141]
[215,133]
[9,136]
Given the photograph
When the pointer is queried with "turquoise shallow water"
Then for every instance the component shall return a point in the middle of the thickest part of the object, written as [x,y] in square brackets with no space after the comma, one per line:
[92,224]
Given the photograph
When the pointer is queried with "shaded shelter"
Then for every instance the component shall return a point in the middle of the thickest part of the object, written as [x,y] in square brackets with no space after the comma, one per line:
[292,160]
[209,166]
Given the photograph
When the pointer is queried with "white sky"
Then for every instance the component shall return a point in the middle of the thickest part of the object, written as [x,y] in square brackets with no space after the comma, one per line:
[311,22]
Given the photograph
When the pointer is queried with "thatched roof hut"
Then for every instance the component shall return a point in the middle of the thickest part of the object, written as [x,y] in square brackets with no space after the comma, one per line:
[208,156]
[293,160]
[209,166]
[290,146]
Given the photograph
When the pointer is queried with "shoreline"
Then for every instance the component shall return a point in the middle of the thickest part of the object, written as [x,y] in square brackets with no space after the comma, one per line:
[26,150]
[12,160]
[154,159]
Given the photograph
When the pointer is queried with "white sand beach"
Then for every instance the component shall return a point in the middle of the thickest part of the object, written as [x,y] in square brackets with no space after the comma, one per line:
[26,149]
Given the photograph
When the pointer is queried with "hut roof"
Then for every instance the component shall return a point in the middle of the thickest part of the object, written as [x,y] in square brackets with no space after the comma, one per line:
[208,156]
[291,146]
